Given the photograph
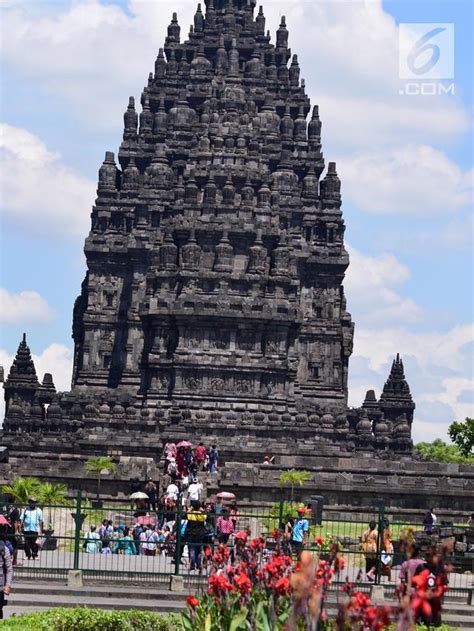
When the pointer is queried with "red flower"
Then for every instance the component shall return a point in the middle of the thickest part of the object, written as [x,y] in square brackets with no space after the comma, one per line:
[192,601]
[282,586]
[243,583]
[207,551]
[319,541]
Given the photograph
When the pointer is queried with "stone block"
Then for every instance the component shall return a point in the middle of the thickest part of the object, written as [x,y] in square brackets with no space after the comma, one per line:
[74,579]
[176,583]
[377,594]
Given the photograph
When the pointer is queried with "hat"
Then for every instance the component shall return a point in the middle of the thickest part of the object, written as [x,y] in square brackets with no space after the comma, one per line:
[301,510]
[32,500]
[241,535]
[266,458]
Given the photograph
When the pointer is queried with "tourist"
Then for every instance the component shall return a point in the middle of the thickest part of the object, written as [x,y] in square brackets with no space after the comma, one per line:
[288,534]
[148,540]
[369,549]
[299,532]
[32,523]
[193,471]
[180,462]
[195,490]
[433,516]
[428,523]
[213,459]
[6,575]
[266,460]
[240,547]
[152,491]
[195,534]
[126,544]
[172,492]
[105,548]
[410,566]
[234,513]
[386,558]
[92,543]
[103,530]
[224,526]
[218,506]
[14,529]
[438,576]
[200,456]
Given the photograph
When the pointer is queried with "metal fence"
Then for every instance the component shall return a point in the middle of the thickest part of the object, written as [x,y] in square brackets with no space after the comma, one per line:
[66,544]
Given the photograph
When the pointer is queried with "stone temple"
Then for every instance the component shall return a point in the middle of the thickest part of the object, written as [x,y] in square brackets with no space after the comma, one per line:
[213,305]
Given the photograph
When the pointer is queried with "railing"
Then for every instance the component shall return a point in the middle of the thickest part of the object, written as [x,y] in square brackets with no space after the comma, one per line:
[63,545]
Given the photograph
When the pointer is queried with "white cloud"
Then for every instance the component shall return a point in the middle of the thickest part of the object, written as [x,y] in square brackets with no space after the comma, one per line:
[370,286]
[412,179]
[23,307]
[40,194]
[348,53]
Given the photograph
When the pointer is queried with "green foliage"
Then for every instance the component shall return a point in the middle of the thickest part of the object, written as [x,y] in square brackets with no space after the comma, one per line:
[22,489]
[51,494]
[462,435]
[442,452]
[99,465]
[292,478]
[84,619]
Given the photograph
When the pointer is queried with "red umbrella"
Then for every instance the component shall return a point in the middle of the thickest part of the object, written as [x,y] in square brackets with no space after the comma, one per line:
[184,443]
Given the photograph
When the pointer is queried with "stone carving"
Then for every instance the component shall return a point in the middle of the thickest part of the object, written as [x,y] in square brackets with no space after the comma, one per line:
[216,256]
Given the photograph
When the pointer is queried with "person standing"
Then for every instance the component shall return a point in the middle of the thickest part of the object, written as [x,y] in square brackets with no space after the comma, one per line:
[6,575]
[213,459]
[194,491]
[433,516]
[149,538]
[92,543]
[300,532]
[152,491]
[369,548]
[409,567]
[224,526]
[32,522]
[14,529]
[195,534]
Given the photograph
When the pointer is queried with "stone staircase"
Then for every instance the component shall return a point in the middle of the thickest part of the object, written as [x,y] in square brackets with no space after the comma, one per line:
[27,597]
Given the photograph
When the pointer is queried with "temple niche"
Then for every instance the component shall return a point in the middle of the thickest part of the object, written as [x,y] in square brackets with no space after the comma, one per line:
[214,294]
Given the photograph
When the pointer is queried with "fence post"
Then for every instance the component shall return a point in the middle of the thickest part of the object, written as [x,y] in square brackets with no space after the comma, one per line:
[280,515]
[177,554]
[77,530]
[380,528]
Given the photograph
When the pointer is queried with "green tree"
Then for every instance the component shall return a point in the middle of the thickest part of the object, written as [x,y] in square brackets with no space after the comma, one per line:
[100,465]
[440,451]
[292,478]
[21,489]
[462,435]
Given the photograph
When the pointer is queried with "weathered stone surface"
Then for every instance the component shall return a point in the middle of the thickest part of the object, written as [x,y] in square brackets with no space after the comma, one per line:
[213,302]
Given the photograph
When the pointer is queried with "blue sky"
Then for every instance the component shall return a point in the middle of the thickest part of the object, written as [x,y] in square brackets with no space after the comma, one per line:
[405,162]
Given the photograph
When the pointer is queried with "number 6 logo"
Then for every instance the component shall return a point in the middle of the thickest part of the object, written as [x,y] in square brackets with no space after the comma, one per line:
[421,47]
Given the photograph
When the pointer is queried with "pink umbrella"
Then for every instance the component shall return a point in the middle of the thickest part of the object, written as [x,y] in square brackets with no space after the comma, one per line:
[3,521]
[144,520]
[184,443]
[225,495]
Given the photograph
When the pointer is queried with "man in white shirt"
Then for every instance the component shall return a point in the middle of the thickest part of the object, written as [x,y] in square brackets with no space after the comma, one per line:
[435,519]
[194,491]
[32,521]
[172,491]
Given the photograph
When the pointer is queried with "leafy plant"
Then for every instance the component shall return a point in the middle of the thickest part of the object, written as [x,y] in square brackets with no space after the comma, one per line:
[462,435]
[292,478]
[85,619]
[21,489]
[99,465]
